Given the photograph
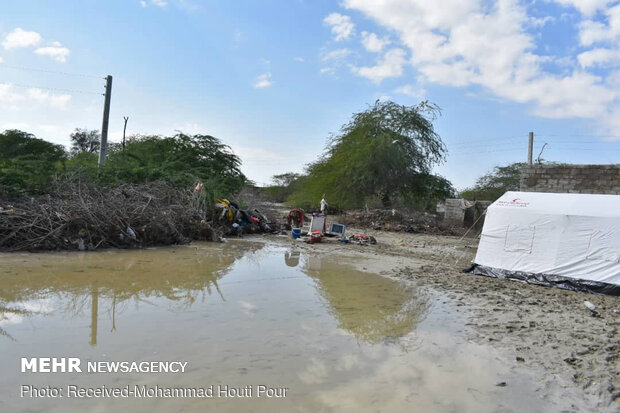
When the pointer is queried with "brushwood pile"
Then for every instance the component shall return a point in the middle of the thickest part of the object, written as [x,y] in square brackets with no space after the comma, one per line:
[82,216]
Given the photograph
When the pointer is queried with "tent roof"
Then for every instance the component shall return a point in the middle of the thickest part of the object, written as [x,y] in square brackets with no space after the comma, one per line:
[559,204]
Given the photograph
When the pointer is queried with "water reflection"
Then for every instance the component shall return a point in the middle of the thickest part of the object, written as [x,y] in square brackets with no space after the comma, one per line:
[10,315]
[291,257]
[372,309]
[78,282]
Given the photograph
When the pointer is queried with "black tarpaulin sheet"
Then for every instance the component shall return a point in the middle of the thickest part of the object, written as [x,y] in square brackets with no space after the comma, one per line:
[548,280]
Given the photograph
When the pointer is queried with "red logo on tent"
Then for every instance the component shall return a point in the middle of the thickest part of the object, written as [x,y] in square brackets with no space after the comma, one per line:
[513,203]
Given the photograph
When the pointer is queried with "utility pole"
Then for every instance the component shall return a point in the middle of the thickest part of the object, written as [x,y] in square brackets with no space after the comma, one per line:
[106,117]
[125,130]
[530,149]
[94,314]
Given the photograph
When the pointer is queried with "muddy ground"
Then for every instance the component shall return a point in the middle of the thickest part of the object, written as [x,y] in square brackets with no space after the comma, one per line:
[548,331]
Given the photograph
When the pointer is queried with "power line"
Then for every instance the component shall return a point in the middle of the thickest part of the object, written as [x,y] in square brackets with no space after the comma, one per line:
[54,89]
[586,142]
[582,135]
[551,147]
[590,149]
[504,140]
[31,69]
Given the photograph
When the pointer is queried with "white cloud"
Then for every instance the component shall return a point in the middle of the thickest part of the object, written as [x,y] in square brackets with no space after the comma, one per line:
[19,38]
[341,25]
[577,95]
[373,43]
[338,54]
[411,90]
[599,57]
[471,43]
[58,101]
[541,21]
[1,59]
[263,81]
[591,32]
[335,59]
[8,97]
[56,51]
[390,65]
[157,3]
[298,59]
[585,7]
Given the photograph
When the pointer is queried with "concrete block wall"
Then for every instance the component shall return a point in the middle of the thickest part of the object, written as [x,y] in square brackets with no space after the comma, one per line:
[580,179]
[454,214]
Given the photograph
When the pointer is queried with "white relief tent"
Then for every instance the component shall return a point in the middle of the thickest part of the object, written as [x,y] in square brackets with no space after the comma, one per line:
[567,240]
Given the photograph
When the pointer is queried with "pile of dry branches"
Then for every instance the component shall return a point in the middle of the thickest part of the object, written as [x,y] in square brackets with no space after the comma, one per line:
[86,217]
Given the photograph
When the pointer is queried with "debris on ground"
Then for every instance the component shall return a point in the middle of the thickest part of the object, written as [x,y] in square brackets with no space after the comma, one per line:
[398,221]
[237,221]
[592,308]
[363,239]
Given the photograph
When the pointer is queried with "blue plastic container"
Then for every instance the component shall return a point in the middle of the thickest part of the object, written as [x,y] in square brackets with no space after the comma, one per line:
[296,233]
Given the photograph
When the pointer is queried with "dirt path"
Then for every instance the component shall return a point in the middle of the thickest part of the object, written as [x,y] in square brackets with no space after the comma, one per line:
[546,330]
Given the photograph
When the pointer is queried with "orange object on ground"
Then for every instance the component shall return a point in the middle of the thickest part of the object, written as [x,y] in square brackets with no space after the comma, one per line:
[315,237]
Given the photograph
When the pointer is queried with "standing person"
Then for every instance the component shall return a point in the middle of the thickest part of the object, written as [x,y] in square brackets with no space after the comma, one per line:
[324,206]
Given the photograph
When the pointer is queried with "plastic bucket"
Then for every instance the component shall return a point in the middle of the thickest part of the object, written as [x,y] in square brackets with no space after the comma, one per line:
[296,233]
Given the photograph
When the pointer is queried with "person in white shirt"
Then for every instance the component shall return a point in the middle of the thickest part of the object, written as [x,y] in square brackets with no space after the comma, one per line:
[324,205]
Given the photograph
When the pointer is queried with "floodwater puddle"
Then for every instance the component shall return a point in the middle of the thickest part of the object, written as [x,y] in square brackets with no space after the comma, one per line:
[243,315]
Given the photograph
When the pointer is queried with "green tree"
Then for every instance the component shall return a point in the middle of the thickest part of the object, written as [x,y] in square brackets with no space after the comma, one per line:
[283,185]
[84,140]
[494,184]
[285,179]
[27,163]
[384,152]
[180,159]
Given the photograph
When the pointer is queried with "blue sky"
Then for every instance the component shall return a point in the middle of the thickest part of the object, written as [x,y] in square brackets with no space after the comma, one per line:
[273,79]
